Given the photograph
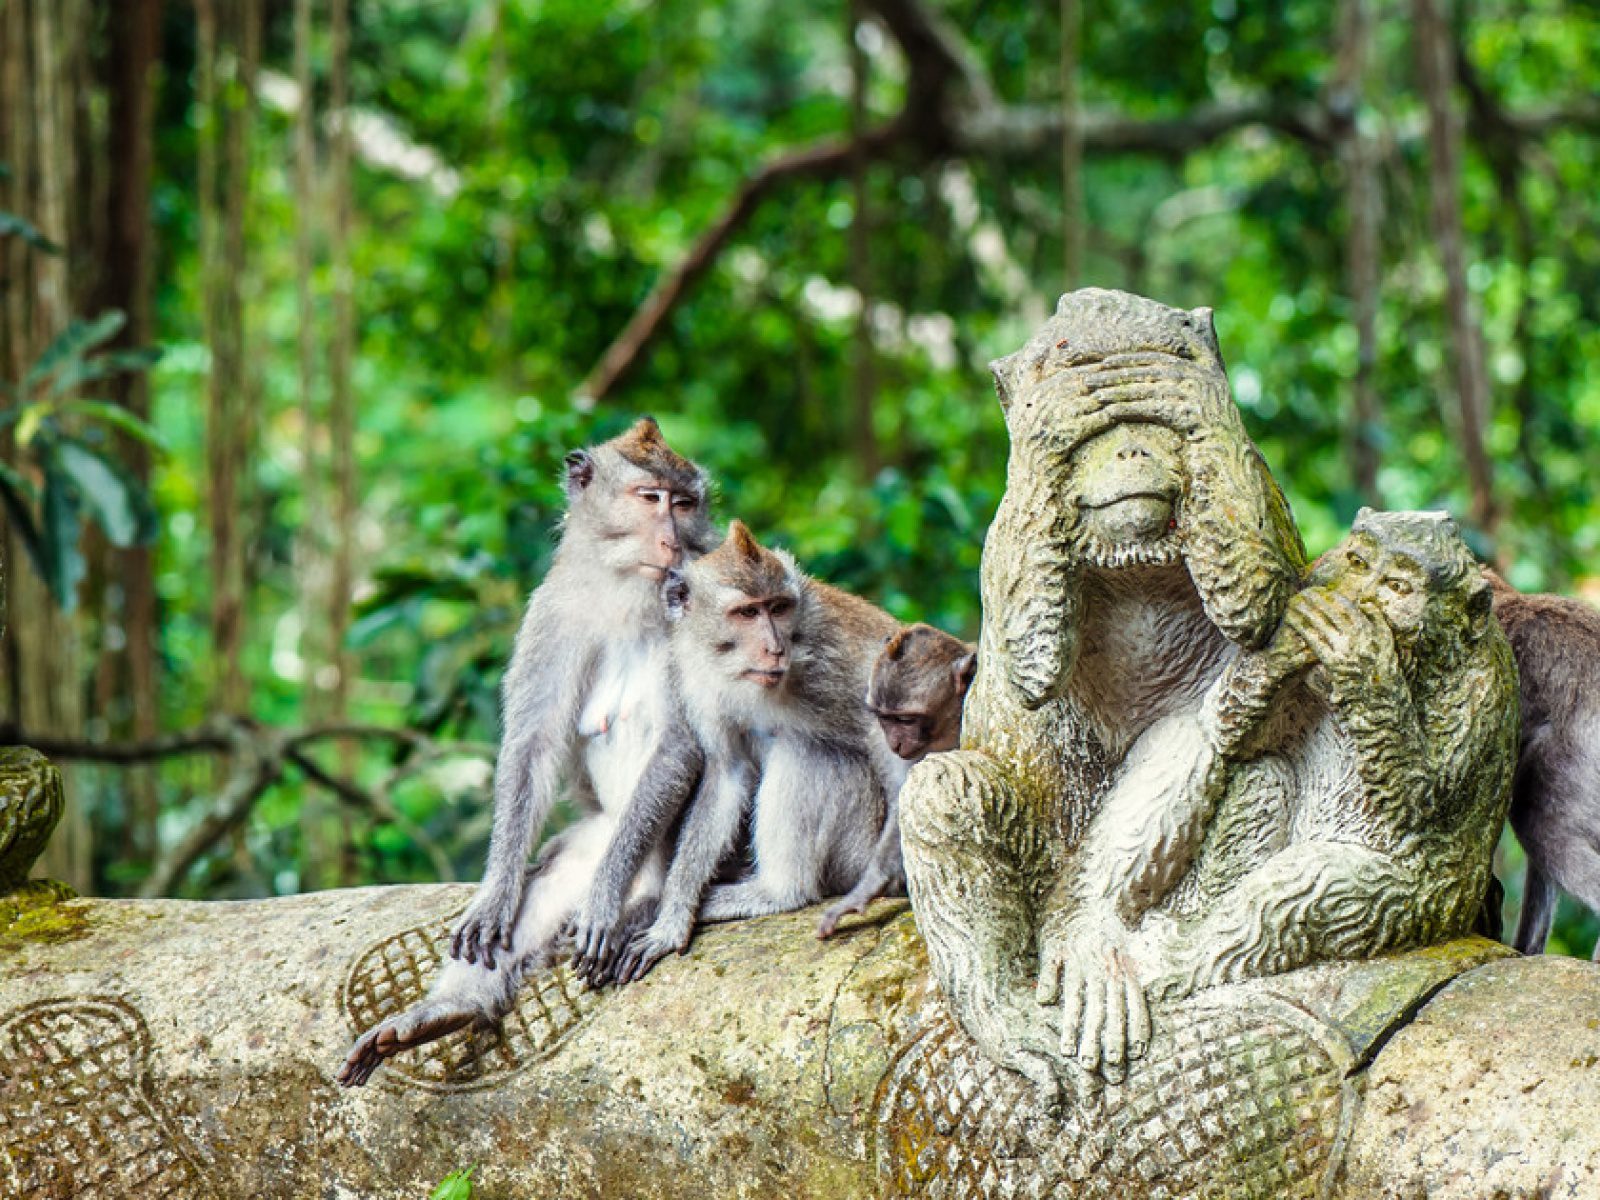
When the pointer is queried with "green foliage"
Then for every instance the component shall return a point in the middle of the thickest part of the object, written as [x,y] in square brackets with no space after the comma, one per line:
[66,469]
[455,1186]
[556,168]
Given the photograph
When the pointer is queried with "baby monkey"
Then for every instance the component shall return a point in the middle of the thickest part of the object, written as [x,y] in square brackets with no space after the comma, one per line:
[1555,797]
[918,685]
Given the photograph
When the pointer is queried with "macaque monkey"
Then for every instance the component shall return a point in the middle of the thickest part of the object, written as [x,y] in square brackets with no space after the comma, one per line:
[1555,797]
[918,684]
[771,667]
[586,701]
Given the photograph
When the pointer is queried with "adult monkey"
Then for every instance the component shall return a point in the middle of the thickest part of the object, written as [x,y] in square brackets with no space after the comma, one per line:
[1140,544]
[585,700]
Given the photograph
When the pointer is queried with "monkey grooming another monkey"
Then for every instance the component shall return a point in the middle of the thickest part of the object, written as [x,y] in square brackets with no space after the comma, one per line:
[772,667]
[1555,796]
[586,701]
[918,684]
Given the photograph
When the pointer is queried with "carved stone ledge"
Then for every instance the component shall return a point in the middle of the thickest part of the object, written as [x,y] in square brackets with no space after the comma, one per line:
[191,1048]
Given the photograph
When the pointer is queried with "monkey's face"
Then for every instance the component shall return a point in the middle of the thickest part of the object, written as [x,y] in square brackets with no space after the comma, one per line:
[755,636]
[1384,579]
[917,688]
[1127,482]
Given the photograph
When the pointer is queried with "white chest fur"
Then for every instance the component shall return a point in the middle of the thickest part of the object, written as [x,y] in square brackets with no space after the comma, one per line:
[622,718]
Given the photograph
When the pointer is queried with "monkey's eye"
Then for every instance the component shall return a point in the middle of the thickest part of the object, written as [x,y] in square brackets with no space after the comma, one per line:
[748,613]
[1400,587]
[649,495]
[1356,563]
[780,606]
[685,503]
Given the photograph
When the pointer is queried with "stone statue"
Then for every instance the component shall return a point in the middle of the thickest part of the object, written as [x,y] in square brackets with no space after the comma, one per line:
[1186,762]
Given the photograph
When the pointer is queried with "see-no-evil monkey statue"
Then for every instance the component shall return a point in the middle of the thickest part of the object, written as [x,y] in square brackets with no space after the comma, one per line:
[1185,760]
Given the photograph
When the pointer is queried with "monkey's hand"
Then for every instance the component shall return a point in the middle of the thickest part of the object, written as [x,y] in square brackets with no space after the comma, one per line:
[1086,969]
[487,924]
[667,935]
[597,937]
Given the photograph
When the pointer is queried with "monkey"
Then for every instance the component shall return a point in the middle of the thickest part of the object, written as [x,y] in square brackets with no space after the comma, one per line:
[771,667]
[585,700]
[1141,543]
[918,684]
[1555,795]
[1384,777]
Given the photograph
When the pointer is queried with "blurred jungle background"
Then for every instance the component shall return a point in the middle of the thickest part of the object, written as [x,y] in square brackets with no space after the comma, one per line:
[302,300]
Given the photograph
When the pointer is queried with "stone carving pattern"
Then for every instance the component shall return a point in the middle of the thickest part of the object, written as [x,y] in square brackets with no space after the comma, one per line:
[79,1118]
[393,975]
[1248,1103]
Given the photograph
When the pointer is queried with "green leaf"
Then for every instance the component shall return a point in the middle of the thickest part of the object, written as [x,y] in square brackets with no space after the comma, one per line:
[17,494]
[115,414]
[12,225]
[76,340]
[118,504]
[29,418]
[456,1186]
[86,370]
[62,564]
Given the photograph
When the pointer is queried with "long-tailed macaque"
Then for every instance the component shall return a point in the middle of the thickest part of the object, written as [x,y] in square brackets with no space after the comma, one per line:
[1555,797]
[585,701]
[917,687]
[771,668]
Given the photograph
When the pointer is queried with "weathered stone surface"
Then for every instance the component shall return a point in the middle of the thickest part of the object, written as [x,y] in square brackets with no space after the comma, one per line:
[1490,1092]
[167,1050]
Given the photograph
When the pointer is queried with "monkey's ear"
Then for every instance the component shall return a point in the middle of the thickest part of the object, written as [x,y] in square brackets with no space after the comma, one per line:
[580,471]
[1205,322]
[966,669]
[895,645]
[742,540]
[675,594]
[647,433]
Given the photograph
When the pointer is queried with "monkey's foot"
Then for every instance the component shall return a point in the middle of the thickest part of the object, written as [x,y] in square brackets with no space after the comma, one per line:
[855,901]
[404,1032]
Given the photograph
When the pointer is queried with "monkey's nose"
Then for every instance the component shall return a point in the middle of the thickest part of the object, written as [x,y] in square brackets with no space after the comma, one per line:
[1128,452]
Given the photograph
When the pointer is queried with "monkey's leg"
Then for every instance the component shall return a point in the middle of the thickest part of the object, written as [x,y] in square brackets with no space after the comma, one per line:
[1539,895]
[977,856]
[1310,903]
[885,872]
[465,993]
[813,808]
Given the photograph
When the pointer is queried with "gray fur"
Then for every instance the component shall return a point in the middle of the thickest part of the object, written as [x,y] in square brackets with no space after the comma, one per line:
[1555,798]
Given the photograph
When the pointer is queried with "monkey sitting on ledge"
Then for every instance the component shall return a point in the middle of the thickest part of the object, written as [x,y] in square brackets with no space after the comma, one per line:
[1555,797]
[770,667]
[918,685]
[586,700]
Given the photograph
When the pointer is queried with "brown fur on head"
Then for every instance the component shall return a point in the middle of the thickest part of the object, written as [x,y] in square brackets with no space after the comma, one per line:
[918,684]
[737,610]
[635,508]
[1134,495]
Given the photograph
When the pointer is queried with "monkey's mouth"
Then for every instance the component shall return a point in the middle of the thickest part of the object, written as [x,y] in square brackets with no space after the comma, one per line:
[767,679]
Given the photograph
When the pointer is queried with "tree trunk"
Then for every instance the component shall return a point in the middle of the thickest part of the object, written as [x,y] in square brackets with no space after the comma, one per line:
[37,114]
[135,35]
[1364,217]
[1072,214]
[342,398]
[863,363]
[1436,72]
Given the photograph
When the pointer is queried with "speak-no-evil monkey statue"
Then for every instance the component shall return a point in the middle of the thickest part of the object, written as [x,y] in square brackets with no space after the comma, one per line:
[1187,759]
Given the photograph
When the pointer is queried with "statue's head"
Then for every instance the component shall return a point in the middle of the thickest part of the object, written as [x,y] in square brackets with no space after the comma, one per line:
[1127,453]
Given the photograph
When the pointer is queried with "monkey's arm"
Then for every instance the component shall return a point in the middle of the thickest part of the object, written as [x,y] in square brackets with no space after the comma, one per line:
[539,718]
[885,872]
[709,832]
[666,784]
